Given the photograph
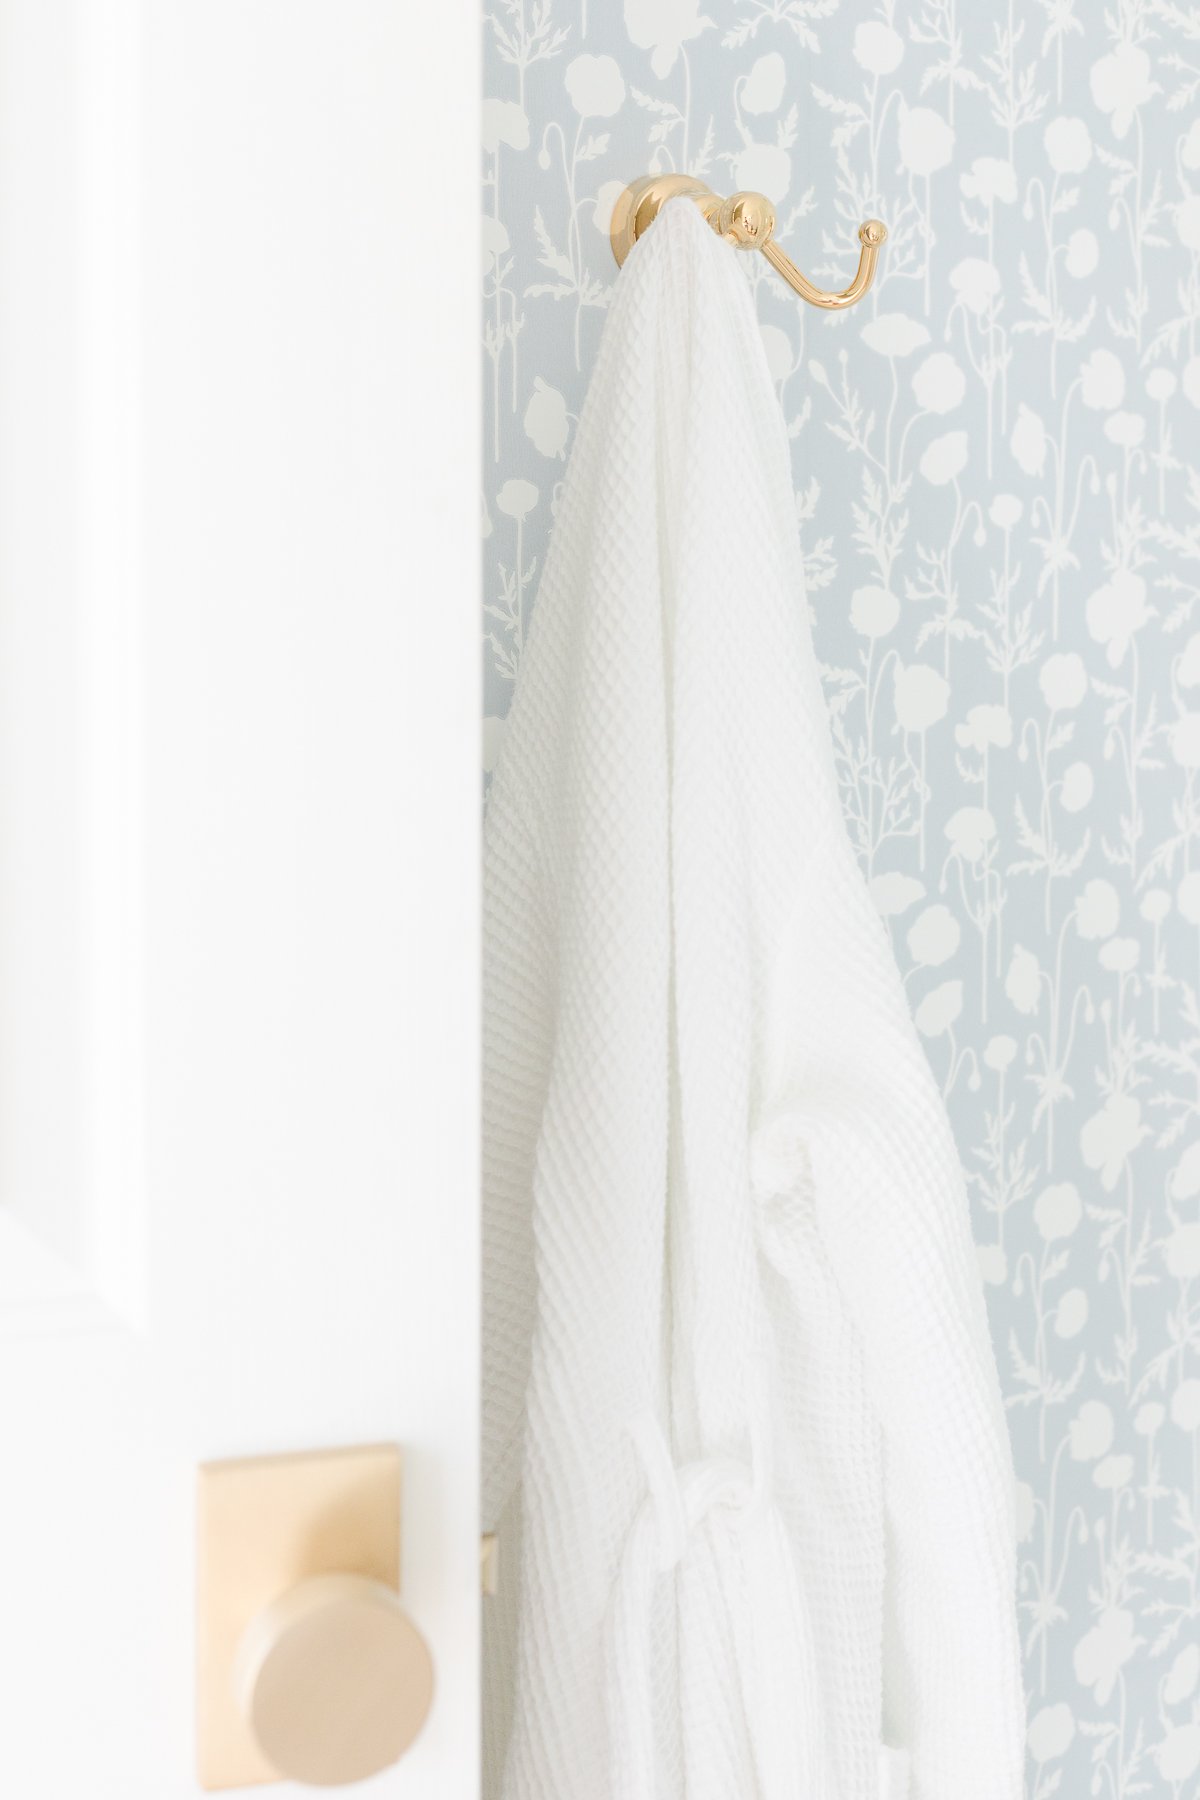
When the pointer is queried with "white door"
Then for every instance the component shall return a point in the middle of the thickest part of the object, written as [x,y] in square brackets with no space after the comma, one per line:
[238,817]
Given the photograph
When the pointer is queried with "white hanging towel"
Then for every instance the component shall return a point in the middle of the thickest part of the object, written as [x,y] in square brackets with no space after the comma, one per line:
[744,1442]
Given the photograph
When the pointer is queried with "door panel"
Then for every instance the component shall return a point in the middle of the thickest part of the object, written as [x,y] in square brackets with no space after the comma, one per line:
[238,834]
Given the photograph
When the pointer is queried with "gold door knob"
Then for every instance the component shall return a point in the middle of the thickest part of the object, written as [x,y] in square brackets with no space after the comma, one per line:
[333,1679]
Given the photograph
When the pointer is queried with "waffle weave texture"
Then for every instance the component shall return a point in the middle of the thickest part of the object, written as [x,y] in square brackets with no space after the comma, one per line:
[743,1435]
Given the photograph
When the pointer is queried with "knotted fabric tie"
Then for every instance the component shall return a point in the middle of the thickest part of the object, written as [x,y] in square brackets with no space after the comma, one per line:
[777,1664]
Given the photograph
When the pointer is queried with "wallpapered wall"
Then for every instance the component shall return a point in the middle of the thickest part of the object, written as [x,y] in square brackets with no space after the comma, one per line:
[997,472]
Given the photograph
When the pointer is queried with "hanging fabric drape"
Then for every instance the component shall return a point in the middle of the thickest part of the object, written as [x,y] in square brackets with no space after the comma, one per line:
[744,1444]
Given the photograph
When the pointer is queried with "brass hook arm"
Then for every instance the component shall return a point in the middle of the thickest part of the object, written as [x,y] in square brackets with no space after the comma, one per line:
[870,235]
[747,220]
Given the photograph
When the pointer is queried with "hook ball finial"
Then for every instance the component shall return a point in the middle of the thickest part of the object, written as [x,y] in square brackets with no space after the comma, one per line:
[747,220]
[872,234]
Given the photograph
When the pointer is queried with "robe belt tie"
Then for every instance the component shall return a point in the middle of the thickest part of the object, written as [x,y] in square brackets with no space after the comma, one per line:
[771,1641]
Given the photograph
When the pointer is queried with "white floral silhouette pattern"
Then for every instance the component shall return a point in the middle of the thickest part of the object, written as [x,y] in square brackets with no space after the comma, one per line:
[997,472]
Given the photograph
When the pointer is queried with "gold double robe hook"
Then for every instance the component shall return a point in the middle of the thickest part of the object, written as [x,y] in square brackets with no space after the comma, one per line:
[747,220]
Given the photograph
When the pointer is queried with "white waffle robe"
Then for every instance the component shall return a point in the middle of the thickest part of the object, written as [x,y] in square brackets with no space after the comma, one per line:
[744,1442]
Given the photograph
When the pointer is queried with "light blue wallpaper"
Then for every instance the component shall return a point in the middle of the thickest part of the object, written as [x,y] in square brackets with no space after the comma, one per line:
[997,472]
